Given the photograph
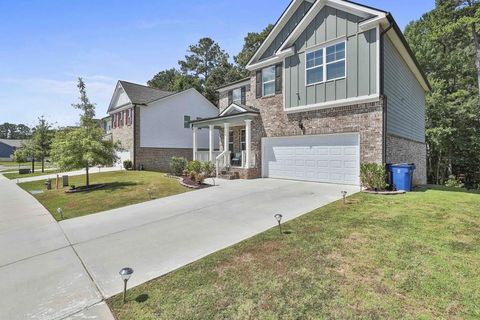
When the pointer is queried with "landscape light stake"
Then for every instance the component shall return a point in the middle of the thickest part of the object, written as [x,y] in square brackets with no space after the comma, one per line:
[60,212]
[279,217]
[125,273]
[344,194]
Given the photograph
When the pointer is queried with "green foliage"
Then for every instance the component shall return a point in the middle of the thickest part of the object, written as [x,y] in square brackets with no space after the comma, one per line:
[178,165]
[453,182]
[444,42]
[14,131]
[208,168]
[194,166]
[252,42]
[128,164]
[373,176]
[83,147]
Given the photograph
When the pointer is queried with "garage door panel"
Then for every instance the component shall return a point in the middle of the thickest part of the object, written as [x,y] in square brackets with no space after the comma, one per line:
[327,158]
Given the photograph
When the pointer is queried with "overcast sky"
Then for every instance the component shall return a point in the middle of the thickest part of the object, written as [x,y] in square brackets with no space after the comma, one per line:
[45,45]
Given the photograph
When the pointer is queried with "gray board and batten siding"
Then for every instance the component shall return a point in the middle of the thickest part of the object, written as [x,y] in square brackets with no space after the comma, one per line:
[361,60]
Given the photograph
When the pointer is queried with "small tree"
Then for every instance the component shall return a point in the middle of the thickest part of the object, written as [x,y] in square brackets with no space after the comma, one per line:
[83,147]
[27,151]
[42,140]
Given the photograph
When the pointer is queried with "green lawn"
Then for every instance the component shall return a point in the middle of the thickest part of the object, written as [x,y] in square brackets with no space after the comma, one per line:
[38,172]
[414,256]
[123,188]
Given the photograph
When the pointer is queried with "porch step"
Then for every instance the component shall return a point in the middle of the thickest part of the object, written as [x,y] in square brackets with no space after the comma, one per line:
[227,175]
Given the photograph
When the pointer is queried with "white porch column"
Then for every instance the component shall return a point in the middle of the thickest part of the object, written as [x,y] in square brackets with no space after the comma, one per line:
[194,143]
[211,134]
[248,142]
[226,142]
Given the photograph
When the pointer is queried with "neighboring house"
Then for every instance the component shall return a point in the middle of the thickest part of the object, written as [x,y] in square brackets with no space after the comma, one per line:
[334,85]
[154,125]
[8,147]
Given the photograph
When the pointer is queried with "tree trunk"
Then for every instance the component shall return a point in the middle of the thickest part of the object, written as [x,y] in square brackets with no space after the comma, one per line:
[43,164]
[87,177]
[33,164]
[477,52]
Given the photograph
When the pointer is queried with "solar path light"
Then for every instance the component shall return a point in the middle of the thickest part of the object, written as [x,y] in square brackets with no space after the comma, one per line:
[344,194]
[60,212]
[125,273]
[279,217]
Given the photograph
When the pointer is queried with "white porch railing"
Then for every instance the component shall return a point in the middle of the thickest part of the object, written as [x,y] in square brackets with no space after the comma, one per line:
[252,160]
[202,156]
[222,161]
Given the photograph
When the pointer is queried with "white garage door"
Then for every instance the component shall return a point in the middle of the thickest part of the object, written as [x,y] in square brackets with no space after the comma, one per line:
[325,158]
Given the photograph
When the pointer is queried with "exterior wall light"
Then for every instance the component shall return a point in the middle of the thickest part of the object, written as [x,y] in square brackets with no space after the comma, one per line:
[279,217]
[125,273]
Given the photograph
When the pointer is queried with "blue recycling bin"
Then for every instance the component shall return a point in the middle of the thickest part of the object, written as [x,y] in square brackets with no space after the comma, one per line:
[401,176]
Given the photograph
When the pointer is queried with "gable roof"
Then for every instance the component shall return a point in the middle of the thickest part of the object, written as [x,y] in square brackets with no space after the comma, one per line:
[15,143]
[238,108]
[140,94]
[372,17]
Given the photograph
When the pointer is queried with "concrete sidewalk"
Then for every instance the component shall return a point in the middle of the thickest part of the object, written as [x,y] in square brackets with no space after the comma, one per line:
[41,276]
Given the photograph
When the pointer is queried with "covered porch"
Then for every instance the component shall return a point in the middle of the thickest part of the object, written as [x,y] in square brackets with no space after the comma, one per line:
[235,125]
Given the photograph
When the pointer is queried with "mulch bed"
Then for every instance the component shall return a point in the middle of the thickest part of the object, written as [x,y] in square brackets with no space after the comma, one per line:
[188,183]
[84,188]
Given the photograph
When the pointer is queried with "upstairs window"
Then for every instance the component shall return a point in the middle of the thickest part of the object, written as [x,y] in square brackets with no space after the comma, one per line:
[186,122]
[314,67]
[336,61]
[325,64]
[268,81]
[237,96]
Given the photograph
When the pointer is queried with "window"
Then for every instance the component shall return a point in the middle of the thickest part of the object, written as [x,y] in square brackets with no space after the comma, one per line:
[325,64]
[230,141]
[243,140]
[237,96]
[336,61]
[186,122]
[314,67]
[268,81]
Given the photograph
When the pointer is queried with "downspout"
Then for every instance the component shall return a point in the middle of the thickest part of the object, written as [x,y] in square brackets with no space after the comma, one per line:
[135,137]
[382,87]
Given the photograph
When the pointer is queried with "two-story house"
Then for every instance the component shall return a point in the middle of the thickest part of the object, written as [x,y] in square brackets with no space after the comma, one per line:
[334,85]
[153,125]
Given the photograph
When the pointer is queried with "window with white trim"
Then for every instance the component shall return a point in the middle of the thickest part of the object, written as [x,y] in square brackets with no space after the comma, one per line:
[314,67]
[336,61]
[268,81]
[237,96]
[325,64]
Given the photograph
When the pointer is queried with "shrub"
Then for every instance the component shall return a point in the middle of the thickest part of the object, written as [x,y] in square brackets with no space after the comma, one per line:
[194,166]
[373,176]
[178,165]
[199,178]
[453,182]
[127,164]
[208,168]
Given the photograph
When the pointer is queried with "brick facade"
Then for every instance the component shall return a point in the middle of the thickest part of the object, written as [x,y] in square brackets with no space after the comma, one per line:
[401,150]
[150,158]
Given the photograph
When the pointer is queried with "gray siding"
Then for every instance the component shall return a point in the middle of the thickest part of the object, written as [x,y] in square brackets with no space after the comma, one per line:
[405,97]
[6,150]
[287,29]
[361,65]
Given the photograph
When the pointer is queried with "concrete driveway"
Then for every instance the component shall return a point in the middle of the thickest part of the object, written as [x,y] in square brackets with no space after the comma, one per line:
[159,236]
[64,271]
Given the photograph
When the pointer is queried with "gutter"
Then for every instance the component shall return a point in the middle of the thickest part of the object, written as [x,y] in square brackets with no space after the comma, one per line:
[382,87]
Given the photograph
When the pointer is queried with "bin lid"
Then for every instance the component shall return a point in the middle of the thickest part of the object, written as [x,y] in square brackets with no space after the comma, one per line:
[403,165]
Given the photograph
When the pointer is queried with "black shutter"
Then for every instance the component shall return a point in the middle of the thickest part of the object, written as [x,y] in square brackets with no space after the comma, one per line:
[259,84]
[230,97]
[278,78]
[244,95]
